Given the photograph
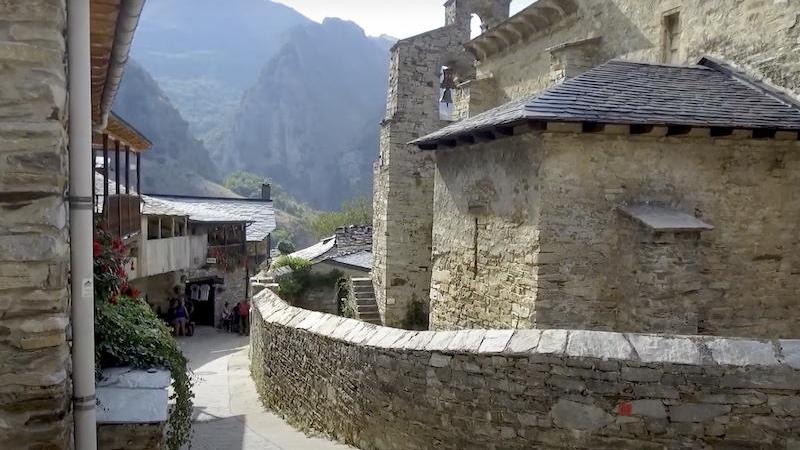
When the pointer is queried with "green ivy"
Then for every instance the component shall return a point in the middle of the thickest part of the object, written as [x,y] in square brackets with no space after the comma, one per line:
[292,286]
[345,301]
[128,333]
[416,317]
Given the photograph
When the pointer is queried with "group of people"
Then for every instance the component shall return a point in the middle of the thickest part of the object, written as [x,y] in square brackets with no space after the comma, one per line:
[237,319]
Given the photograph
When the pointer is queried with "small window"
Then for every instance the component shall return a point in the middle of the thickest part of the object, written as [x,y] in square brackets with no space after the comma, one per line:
[672,37]
[153,228]
[166,227]
[180,227]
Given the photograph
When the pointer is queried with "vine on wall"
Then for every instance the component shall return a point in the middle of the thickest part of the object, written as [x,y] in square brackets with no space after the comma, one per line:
[128,333]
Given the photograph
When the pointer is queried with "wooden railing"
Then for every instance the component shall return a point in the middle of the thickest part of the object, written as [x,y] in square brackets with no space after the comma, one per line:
[121,215]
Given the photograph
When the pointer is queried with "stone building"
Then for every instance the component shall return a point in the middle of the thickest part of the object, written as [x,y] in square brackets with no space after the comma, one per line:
[491,259]
[403,199]
[662,201]
[45,386]
[346,254]
[206,245]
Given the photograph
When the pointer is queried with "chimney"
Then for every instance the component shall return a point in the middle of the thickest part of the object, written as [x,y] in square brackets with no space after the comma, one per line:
[266,191]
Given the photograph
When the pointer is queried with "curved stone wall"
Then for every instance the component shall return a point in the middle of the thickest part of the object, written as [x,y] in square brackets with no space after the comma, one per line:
[384,388]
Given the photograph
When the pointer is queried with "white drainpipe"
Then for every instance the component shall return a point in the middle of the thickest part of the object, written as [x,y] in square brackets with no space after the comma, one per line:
[81,224]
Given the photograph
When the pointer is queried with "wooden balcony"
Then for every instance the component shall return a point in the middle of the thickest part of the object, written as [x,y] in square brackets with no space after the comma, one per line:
[121,215]
[228,257]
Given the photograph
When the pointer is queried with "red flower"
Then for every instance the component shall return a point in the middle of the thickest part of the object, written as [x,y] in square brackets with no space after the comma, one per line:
[98,249]
[118,245]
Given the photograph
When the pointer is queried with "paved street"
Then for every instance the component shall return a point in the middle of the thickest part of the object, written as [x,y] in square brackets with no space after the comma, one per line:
[228,413]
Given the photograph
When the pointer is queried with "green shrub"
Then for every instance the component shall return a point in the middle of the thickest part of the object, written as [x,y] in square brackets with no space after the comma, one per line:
[128,333]
[346,303]
[286,247]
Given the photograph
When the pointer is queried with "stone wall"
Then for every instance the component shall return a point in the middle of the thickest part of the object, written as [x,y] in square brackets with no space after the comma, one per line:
[146,436]
[403,178]
[527,234]
[323,298]
[383,388]
[761,35]
[34,252]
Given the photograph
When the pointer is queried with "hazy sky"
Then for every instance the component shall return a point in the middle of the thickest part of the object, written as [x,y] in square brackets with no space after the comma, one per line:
[398,18]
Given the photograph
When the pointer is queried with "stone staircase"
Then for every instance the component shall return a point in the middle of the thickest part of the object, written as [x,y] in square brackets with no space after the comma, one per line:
[364,295]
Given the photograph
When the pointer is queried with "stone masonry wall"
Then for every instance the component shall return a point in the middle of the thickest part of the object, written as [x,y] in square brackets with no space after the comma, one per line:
[527,234]
[147,436]
[383,388]
[403,179]
[760,35]
[34,252]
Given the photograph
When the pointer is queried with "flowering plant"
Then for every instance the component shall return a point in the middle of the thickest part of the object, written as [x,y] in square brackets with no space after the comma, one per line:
[128,333]
[110,276]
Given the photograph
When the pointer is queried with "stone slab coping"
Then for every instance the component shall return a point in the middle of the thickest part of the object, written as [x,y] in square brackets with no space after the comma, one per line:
[604,345]
[130,378]
[131,396]
[659,218]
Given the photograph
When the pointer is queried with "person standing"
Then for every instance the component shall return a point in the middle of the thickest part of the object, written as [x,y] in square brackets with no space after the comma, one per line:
[244,317]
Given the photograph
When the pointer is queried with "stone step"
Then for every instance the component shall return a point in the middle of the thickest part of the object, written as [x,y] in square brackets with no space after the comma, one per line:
[368,315]
[365,299]
[367,309]
[357,289]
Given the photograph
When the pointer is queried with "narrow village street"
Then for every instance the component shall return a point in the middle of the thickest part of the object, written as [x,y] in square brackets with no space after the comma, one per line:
[228,413]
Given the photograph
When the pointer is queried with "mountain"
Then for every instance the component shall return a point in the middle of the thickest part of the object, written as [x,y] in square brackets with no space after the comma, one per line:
[178,163]
[205,53]
[310,120]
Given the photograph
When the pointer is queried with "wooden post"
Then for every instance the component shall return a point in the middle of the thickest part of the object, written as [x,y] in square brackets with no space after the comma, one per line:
[127,169]
[105,179]
[246,262]
[128,217]
[139,173]
[116,177]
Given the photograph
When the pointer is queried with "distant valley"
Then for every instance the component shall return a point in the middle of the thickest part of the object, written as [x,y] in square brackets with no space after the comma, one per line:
[255,86]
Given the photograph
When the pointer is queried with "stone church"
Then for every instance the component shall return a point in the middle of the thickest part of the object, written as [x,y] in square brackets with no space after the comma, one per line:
[619,165]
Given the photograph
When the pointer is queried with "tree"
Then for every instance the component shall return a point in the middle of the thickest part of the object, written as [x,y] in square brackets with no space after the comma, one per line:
[353,212]
[286,247]
[245,184]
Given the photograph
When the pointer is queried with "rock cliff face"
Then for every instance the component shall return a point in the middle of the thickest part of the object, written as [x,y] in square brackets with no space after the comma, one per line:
[178,163]
[310,121]
[206,62]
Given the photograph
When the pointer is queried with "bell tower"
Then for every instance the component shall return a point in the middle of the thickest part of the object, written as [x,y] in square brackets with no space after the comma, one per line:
[403,175]
[458,14]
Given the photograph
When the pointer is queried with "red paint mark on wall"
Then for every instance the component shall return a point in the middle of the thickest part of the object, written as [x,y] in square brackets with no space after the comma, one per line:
[625,409]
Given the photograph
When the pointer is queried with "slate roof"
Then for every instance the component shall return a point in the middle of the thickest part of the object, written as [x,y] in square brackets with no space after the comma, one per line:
[316,250]
[362,259]
[348,240]
[351,245]
[709,94]
[260,214]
